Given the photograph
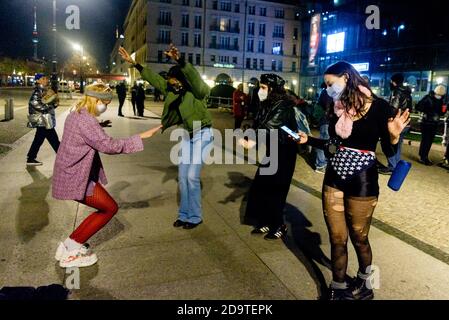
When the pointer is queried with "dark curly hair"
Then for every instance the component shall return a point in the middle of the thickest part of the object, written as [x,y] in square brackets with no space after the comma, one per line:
[351,97]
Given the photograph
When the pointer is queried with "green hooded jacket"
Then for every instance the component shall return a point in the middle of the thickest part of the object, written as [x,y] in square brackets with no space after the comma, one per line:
[193,107]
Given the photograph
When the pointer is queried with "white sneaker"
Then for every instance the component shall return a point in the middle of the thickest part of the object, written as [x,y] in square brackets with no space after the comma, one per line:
[78,259]
[62,250]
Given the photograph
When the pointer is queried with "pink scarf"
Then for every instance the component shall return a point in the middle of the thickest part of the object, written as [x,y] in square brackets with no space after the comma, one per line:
[344,125]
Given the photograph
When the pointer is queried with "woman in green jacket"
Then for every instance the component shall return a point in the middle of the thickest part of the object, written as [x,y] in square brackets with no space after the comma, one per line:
[185,104]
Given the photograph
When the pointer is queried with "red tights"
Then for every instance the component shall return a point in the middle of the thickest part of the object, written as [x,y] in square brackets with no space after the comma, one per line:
[107,208]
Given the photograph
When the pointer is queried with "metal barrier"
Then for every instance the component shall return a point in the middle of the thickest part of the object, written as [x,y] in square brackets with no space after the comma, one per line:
[219,102]
[9,109]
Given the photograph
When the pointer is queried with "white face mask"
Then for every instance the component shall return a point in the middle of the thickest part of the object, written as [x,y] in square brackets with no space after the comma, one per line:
[438,97]
[101,108]
[263,95]
[335,91]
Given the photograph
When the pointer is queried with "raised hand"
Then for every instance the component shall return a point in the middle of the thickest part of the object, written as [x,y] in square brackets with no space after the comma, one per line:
[125,55]
[173,52]
[397,124]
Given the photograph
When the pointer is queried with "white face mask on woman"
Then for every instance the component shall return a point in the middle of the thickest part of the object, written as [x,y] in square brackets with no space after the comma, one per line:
[101,108]
[263,94]
[335,91]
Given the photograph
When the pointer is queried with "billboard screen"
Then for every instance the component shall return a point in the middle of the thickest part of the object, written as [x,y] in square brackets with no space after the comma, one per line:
[335,42]
[314,39]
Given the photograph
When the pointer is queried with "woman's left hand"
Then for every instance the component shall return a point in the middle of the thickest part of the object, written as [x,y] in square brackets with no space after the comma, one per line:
[397,124]
[173,53]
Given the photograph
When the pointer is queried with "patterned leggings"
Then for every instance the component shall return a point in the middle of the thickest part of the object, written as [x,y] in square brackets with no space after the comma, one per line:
[107,208]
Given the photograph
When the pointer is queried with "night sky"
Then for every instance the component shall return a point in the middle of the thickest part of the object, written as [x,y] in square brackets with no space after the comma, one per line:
[97,33]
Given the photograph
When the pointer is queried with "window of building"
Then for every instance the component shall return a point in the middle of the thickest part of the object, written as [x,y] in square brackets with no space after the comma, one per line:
[261,47]
[214,40]
[248,63]
[251,27]
[279,13]
[250,47]
[185,39]
[183,55]
[225,24]
[262,29]
[237,26]
[198,22]
[237,8]
[278,31]
[199,3]
[262,64]
[198,59]
[197,40]
[252,10]
[191,58]
[280,66]
[165,18]
[224,59]
[294,50]
[273,65]
[164,36]
[225,42]
[215,5]
[213,58]
[160,56]
[236,44]
[185,20]
[255,64]
[186,2]
[234,60]
[277,48]
[165,1]
[294,66]
[263,12]
[295,34]
[225,6]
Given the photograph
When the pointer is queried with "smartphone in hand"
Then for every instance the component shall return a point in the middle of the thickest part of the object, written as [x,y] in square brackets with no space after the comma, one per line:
[294,135]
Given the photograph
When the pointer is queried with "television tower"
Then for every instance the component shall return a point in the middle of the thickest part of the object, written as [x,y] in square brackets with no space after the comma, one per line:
[35,32]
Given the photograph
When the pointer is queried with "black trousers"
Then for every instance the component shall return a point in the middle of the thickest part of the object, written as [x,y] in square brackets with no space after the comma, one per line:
[39,138]
[121,103]
[428,131]
[238,122]
[268,194]
[133,102]
[140,107]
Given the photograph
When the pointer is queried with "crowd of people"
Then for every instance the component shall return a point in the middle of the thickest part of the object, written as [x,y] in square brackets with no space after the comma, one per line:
[352,121]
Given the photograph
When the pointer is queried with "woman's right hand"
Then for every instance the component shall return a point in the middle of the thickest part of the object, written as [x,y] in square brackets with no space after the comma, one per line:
[148,134]
[125,56]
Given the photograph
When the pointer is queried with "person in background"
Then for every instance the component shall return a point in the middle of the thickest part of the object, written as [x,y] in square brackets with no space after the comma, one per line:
[400,99]
[432,110]
[254,102]
[140,100]
[240,101]
[121,92]
[41,108]
[325,103]
[134,97]
[157,95]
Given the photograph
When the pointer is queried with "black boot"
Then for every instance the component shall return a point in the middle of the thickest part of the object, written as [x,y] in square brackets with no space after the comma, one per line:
[340,294]
[360,290]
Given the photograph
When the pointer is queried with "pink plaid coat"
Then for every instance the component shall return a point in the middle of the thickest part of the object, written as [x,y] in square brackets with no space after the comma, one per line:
[78,161]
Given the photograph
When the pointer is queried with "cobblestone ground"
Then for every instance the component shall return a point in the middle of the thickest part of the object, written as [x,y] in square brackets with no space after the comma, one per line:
[418,213]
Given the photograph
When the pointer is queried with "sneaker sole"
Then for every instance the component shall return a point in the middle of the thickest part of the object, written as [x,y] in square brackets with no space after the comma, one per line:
[34,165]
[80,263]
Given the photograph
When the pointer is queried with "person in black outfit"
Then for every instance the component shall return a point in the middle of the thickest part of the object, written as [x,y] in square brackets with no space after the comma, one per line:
[41,109]
[351,188]
[400,99]
[134,97]
[432,108]
[140,100]
[268,193]
[121,92]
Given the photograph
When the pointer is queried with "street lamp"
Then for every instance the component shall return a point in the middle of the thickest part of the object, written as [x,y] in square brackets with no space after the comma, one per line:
[80,49]
[400,28]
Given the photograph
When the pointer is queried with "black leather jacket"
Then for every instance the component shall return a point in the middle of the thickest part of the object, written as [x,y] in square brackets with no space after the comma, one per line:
[401,98]
[276,116]
[432,108]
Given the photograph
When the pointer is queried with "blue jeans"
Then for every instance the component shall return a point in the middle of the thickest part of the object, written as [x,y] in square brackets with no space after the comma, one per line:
[394,160]
[321,161]
[192,161]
